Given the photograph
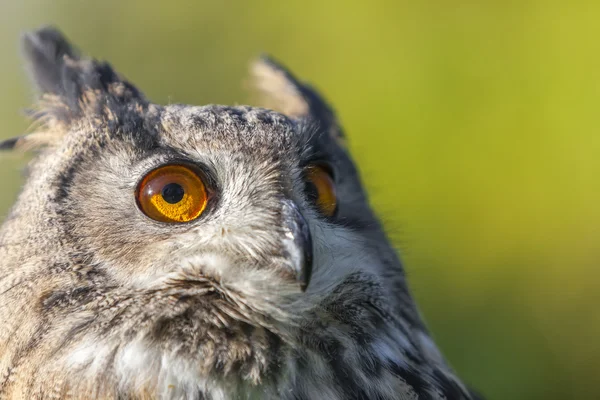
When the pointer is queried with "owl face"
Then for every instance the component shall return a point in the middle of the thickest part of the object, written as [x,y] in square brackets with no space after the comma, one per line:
[200,252]
[238,210]
[237,194]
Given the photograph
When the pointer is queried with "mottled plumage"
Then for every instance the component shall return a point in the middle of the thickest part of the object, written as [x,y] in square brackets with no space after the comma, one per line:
[99,301]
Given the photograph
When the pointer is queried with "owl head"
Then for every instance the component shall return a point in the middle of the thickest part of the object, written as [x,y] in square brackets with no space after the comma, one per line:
[189,251]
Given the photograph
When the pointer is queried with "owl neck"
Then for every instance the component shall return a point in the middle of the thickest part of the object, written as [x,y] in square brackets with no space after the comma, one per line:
[358,347]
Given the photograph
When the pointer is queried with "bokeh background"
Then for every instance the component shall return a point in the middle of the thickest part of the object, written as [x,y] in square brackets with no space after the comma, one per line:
[475,125]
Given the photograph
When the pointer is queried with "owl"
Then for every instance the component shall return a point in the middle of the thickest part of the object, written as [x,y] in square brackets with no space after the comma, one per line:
[199,252]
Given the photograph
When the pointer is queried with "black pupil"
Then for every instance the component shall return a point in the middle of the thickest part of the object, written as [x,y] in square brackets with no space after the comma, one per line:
[172,193]
[311,192]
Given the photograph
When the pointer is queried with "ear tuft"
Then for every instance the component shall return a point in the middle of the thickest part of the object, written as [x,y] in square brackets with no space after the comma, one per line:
[72,88]
[46,51]
[58,71]
[283,92]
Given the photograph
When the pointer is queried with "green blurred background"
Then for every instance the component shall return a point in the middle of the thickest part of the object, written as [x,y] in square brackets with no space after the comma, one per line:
[475,125]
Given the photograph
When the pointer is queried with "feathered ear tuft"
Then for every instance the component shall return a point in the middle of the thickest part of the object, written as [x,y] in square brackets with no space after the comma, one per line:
[71,88]
[46,52]
[60,73]
[281,91]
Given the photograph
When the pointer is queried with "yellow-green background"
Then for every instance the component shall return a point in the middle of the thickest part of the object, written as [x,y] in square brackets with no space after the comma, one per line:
[475,124]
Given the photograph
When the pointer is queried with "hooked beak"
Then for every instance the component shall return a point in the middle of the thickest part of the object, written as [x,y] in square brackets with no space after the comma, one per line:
[298,242]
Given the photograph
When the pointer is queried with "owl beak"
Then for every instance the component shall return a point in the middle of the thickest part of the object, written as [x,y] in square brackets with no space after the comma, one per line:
[298,242]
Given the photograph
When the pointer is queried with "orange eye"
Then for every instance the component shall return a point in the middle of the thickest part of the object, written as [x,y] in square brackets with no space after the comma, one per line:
[320,189]
[172,193]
